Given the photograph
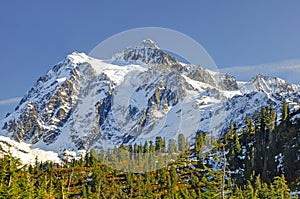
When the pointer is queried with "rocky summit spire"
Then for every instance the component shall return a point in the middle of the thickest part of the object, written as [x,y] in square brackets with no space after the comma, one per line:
[148,43]
[146,52]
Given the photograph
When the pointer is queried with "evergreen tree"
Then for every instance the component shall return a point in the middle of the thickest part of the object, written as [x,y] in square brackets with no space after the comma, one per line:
[151,146]
[249,126]
[129,184]
[145,147]
[256,122]
[237,144]
[173,178]
[93,158]
[130,150]
[172,146]
[264,120]
[251,192]
[281,190]
[122,153]
[285,111]
[261,188]
[158,144]
[181,142]
[199,142]
[272,117]
[135,150]
[164,145]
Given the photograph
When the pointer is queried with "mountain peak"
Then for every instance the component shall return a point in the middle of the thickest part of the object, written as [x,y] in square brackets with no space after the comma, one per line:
[264,78]
[148,43]
[268,84]
[146,52]
[84,103]
[77,57]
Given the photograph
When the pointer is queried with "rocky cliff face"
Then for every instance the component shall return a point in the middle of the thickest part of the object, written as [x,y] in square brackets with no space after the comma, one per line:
[146,53]
[141,93]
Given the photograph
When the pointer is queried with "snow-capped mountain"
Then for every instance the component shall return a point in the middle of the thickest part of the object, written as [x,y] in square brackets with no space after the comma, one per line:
[141,93]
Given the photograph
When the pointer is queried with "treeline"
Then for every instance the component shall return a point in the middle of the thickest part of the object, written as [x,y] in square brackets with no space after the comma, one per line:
[147,156]
[87,179]
[265,147]
[259,161]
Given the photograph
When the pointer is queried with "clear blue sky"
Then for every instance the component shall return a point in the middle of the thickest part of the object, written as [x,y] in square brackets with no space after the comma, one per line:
[34,35]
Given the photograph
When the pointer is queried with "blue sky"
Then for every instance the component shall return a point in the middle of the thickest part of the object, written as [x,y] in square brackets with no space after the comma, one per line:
[34,35]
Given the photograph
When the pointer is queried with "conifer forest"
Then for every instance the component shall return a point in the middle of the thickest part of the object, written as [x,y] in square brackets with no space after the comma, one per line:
[259,160]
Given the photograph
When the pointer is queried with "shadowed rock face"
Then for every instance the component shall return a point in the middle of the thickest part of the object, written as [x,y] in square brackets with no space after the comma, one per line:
[219,80]
[103,107]
[27,127]
[41,114]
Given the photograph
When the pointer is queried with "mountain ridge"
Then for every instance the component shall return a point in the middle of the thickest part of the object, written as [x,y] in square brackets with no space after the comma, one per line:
[141,93]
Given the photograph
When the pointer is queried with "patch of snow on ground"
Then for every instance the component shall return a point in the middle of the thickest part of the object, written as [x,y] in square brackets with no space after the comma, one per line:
[25,152]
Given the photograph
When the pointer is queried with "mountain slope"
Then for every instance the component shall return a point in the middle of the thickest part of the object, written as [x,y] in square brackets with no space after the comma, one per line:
[141,93]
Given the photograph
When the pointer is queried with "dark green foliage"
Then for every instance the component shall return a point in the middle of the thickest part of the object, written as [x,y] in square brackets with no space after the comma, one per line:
[158,143]
[266,148]
[249,163]
[199,142]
